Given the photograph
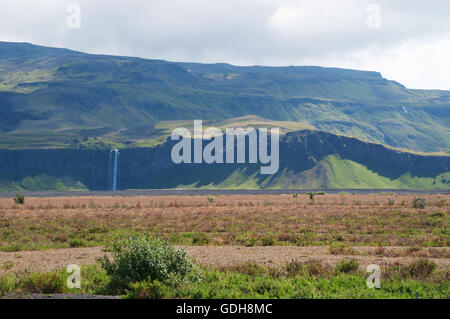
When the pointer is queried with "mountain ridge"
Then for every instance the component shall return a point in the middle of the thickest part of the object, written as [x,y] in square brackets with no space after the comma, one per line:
[51,96]
[63,111]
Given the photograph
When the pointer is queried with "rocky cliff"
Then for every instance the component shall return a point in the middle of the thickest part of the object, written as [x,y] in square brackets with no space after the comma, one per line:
[307,159]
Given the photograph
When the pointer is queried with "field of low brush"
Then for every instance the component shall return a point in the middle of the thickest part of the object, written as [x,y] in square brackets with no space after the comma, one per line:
[245,220]
[245,246]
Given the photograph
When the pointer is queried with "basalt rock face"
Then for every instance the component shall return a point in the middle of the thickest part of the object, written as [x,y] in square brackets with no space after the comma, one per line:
[303,149]
[87,166]
[153,167]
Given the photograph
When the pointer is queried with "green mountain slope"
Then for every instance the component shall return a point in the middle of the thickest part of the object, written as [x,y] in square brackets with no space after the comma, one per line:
[330,173]
[60,98]
[308,159]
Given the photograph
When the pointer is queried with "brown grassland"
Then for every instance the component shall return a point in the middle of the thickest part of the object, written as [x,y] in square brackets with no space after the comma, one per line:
[245,220]
[338,221]
[237,232]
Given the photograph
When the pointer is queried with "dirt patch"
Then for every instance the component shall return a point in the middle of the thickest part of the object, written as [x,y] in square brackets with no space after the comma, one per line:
[219,256]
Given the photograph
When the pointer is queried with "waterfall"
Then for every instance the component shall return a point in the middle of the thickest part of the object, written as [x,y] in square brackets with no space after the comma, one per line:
[113,167]
[93,186]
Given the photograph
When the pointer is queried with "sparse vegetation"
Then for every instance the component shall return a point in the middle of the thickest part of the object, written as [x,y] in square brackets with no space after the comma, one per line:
[311,279]
[137,259]
[233,220]
[420,202]
[347,266]
[342,249]
[19,198]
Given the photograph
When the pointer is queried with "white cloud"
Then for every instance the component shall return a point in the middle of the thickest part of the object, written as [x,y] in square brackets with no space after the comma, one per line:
[316,18]
[411,46]
[421,61]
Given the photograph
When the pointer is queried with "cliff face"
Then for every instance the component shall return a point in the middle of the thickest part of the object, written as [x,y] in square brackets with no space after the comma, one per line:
[88,167]
[300,153]
[311,146]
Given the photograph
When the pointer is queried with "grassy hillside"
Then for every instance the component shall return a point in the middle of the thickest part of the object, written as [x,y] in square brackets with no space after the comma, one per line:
[60,98]
[331,172]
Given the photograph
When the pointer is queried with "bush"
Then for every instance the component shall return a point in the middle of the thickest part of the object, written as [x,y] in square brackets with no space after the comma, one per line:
[420,202]
[211,199]
[342,249]
[312,267]
[43,283]
[267,241]
[148,290]
[311,196]
[421,268]
[250,242]
[247,268]
[19,198]
[347,266]
[391,202]
[200,239]
[77,242]
[141,259]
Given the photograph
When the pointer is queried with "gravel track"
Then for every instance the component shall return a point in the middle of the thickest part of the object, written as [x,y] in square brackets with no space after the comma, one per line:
[218,256]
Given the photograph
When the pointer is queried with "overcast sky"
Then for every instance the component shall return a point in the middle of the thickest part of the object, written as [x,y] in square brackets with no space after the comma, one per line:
[407,41]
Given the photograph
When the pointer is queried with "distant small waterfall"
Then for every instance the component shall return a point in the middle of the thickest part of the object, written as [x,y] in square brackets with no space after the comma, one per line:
[113,167]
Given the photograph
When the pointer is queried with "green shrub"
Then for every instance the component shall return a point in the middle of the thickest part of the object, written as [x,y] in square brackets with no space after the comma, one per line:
[211,199]
[421,268]
[311,196]
[248,268]
[200,239]
[420,202]
[43,283]
[267,241]
[347,266]
[391,202]
[76,242]
[148,289]
[342,249]
[312,267]
[138,259]
[7,284]
[250,242]
[19,198]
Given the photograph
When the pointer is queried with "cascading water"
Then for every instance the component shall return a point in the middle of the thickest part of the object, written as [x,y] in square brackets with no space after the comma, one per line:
[113,167]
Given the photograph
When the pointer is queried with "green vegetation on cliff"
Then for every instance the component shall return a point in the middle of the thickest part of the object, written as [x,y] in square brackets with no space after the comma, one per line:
[42,182]
[331,172]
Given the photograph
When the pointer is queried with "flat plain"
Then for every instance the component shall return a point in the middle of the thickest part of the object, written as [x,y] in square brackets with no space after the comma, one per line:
[227,232]
[224,220]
